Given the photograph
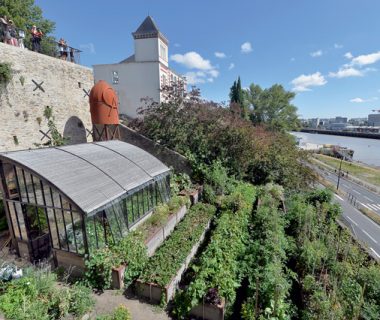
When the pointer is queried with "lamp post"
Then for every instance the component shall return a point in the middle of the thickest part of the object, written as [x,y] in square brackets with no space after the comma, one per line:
[343,156]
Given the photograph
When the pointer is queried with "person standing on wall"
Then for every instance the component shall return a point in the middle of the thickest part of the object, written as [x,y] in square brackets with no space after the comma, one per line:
[13,33]
[36,39]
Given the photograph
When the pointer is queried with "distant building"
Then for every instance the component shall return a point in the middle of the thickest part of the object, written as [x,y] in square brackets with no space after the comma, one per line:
[340,120]
[374,120]
[337,126]
[314,123]
[142,74]
[358,121]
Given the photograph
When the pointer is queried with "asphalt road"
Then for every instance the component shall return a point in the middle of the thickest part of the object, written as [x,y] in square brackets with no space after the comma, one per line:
[362,195]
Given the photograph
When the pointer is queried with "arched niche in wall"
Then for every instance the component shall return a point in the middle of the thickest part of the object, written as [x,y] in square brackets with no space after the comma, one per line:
[74,131]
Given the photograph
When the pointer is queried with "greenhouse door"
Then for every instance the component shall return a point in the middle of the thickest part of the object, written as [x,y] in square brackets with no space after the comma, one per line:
[38,234]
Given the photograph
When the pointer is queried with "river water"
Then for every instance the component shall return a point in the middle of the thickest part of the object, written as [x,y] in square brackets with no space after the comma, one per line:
[365,150]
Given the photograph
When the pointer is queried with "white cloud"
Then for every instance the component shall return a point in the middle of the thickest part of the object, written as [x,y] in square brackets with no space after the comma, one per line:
[346,72]
[338,46]
[192,60]
[202,69]
[348,55]
[231,66]
[361,100]
[316,53]
[246,47]
[220,55]
[90,47]
[304,82]
[366,59]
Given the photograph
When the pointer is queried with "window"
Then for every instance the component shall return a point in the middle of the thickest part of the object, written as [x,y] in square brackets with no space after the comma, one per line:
[163,52]
[115,77]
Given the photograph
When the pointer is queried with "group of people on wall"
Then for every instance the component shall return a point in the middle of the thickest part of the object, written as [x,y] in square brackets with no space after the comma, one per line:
[11,35]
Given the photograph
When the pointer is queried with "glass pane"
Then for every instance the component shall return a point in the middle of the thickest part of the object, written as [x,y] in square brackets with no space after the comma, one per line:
[37,190]
[36,220]
[74,231]
[21,184]
[53,228]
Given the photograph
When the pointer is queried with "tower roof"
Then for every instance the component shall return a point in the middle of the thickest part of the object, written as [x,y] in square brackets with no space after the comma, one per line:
[148,29]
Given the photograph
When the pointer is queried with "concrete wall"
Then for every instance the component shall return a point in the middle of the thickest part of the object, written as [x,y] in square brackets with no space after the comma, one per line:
[22,104]
[137,80]
[146,49]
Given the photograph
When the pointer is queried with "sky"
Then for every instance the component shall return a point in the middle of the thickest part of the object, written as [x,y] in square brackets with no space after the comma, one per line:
[327,51]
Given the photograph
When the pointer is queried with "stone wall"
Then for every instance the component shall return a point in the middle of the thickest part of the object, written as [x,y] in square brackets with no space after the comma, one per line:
[22,103]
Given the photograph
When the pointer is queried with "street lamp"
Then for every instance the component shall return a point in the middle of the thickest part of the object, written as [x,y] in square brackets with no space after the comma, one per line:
[343,156]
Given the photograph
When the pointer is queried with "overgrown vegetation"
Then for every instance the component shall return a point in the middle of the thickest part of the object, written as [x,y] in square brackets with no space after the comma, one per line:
[37,296]
[120,313]
[206,132]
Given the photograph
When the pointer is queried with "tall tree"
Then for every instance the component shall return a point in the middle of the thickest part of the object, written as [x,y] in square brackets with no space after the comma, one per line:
[272,107]
[237,97]
[25,14]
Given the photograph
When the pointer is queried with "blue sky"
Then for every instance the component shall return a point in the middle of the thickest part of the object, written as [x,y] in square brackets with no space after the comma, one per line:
[328,51]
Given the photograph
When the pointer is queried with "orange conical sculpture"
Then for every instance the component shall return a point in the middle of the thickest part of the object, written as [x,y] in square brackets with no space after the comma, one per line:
[103,104]
[104,112]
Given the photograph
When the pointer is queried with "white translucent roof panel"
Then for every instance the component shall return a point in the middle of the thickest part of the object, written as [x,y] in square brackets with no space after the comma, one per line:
[91,174]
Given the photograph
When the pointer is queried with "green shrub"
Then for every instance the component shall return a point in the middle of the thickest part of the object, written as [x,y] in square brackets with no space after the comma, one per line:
[81,300]
[99,268]
[5,73]
[120,313]
[133,253]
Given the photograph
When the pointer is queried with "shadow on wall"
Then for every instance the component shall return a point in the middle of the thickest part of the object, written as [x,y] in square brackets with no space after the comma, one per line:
[74,131]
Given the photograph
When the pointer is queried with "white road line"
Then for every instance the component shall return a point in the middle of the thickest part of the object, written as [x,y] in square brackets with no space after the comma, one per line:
[377,206]
[372,207]
[356,191]
[374,240]
[362,215]
[368,199]
[352,220]
[339,197]
[378,255]
[364,205]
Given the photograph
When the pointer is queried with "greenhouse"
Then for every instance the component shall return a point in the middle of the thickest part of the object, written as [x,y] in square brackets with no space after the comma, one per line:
[67,201]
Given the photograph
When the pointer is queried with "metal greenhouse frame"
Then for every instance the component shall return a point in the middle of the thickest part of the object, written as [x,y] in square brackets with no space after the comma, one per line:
[68,201]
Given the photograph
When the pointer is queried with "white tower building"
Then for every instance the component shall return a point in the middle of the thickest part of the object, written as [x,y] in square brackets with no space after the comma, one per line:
[142,74]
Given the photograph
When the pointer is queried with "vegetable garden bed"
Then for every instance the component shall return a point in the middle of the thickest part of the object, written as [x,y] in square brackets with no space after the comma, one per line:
[159,280]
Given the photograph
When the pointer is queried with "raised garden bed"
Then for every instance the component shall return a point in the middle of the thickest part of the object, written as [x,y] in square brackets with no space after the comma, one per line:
[209,311]
[194,194]
[160,279]
[161,233]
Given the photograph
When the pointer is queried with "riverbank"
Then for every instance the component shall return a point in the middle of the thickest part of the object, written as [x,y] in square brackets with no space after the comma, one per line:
[343,133]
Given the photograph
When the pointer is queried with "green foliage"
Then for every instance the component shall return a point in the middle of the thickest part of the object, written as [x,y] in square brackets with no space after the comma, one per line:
[25,14]
[36,296]
[272,107]
[22,80]
[337,279]
[179,182]
[265,260]
[237,98]
[15,140]
[99,268]
[120,313]
[132,252]
[165,263]
[207,133]
[220,266]
[5,73]
[56,138]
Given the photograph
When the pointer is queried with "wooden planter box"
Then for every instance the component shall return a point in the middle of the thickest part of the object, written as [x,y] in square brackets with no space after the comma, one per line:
[156,293]
[118,277]
[209,311]
[153,242]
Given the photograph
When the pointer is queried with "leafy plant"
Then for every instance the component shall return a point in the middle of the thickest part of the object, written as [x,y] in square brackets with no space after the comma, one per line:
[22,80]
[120,313]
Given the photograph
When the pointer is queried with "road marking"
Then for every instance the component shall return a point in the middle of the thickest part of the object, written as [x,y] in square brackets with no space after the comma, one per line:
[362,215]
[345,185]
[356,191]
[372,207]
[339,197]
[378,255]
[369,236]
[377,206]
[352,220]
[364,205]
[368,199]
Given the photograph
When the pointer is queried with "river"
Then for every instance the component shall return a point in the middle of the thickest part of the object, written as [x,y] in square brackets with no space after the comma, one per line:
[365,150]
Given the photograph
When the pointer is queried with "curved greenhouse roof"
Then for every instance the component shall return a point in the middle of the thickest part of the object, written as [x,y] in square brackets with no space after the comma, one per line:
[92,174]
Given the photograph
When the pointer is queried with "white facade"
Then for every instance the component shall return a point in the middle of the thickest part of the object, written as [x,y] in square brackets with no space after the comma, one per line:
[374,119]
[141,76]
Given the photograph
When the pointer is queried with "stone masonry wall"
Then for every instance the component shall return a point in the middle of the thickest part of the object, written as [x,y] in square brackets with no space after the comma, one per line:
[22,104]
